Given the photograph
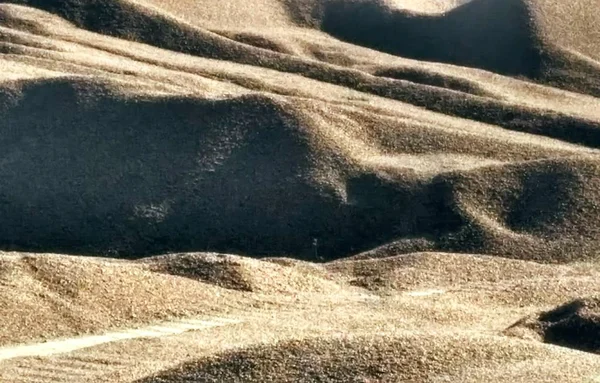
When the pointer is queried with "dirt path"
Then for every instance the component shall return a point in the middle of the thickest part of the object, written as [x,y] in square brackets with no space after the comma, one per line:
[61,346]
[73,344]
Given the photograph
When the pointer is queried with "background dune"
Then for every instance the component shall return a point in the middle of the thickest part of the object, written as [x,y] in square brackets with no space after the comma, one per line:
[265,150]
[427,173]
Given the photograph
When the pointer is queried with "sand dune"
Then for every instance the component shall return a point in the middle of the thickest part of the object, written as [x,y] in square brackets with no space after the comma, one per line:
[350,168]
[540,40]
[52,296]
[349,320]
[417,358]
[426,172]
[245,274]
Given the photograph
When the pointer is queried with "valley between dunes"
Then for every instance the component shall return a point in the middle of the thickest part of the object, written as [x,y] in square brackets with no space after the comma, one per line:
[299,191]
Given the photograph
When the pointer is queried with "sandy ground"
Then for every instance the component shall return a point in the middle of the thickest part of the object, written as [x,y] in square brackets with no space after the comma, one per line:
[370,191]
[426,317]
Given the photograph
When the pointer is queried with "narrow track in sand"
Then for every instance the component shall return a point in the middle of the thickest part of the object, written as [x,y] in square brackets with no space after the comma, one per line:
[73,344]
[70,368]
[66,360]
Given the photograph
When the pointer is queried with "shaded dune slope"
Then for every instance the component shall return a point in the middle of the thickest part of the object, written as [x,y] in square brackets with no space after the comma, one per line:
[490,34]
[132,21]
[124,187]
[575,324]
[537,39]
[138,175]
[194,141]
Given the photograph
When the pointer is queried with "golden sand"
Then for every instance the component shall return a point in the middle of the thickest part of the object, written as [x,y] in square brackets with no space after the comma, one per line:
[411,189]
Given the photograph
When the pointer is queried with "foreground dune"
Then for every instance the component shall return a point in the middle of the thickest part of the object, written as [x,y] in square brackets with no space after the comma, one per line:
[424,317]
[370,190]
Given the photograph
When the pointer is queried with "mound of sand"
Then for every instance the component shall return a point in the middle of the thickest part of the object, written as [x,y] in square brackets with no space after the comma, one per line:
[49,296]
[400,358]
[575,325]
[500,32]
[437,270]
[245,274]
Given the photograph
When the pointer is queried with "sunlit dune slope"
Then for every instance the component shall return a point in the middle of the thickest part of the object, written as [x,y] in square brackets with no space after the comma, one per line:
[54,296]
[421,317]
[402,358]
